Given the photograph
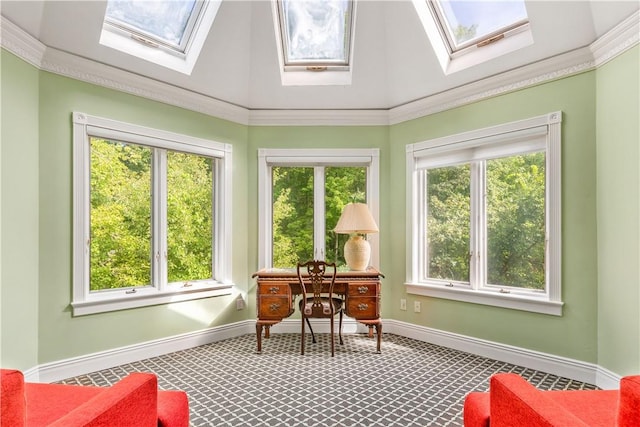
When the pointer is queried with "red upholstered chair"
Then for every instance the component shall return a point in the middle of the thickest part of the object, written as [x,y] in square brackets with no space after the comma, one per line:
[512,401]
[134,401]
[317,300]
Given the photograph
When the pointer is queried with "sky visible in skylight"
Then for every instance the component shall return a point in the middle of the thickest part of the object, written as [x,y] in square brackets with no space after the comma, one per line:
[487,16]
[166,20]
[316,29]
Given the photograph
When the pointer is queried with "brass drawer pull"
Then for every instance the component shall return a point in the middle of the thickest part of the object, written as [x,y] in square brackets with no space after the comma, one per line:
[274,307]
[363,289]
[273,289]
[363,306]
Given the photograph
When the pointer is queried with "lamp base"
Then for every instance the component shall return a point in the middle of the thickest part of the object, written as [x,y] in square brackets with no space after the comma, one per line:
[357,252]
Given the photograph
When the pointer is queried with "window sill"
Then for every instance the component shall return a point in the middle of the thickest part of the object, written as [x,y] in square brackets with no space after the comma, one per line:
[122,301]
[495,299]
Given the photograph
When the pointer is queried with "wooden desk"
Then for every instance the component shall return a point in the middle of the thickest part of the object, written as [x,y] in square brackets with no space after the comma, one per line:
[278,289]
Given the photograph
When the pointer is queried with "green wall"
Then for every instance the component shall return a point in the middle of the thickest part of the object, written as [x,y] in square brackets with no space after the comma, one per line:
[62,336]
[618,195]
[574,335]
[600,245]
[19,193]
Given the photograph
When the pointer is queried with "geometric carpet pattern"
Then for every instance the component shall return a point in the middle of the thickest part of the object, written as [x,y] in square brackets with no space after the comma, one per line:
[411,383]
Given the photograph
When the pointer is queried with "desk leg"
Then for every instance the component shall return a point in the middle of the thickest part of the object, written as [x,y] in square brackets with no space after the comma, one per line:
[259,336]
[267,331]
[379,332]
[370,331]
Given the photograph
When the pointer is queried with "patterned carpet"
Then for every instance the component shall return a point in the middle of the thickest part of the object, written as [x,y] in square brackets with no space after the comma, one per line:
[411,383]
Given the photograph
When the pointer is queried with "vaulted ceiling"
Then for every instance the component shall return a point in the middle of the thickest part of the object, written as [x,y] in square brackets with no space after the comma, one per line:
[393,64]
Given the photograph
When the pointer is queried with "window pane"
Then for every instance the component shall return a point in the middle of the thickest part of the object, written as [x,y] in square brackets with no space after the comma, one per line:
[292,215]
[316,30]
[120,215]
[448,223]
[516,221]
[166,20]
[469,20]
[342,185]
[189,217]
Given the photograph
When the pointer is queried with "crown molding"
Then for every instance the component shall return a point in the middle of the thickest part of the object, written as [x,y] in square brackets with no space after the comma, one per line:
[17,41]
[319,117]
[615,42]
[618,40]
[89,71]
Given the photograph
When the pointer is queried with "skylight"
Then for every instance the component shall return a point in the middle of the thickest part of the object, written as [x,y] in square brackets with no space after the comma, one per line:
[470,22]
[170,33]
[464,33]
[168,23]
[314,35]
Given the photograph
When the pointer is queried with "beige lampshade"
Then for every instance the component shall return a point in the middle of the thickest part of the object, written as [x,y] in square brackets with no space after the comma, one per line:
[356,218]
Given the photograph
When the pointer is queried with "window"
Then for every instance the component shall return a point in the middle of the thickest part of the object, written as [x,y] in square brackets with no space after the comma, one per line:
[151,214]
[167,33]
[315,40]
[467,33]
[301,195]
[485,211]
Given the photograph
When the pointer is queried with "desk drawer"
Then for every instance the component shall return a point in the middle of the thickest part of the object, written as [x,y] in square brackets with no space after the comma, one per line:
[277,288]
[363,289]
[274,307]
[363,308]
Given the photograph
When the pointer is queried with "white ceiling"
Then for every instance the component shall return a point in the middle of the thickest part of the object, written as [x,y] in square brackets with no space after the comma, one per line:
[393,63]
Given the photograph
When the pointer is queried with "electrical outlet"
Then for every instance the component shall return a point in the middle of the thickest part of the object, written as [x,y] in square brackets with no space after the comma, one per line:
[403,304]
[416,306]
[239,303]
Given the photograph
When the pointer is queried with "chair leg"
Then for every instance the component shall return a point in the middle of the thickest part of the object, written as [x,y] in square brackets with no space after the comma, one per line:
[340,326]
[333,343]
[313,336]
[302,339]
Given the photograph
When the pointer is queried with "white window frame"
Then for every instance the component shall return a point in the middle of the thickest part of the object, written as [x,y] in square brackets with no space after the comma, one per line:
[268,158]
[512,39]
[146,48]
[87,302]
[521,136]
[319,74]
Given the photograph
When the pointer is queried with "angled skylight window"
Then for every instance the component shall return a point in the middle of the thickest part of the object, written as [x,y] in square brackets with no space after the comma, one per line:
[167,32]
[470,22]
[169,23]
[464,33]
[315,35]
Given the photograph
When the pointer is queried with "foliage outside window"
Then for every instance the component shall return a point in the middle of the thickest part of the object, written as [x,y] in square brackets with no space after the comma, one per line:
[302,195]
[486,216]
[150,215]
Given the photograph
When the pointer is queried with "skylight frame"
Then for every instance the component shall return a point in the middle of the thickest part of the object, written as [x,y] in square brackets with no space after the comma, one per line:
[315,64]
[485,50]
[144,36]
[161,54]
[446,31]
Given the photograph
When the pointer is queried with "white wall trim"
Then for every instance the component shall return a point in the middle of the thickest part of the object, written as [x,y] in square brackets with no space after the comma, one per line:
[545,362]
[80,365]
[615,42]
[556,365]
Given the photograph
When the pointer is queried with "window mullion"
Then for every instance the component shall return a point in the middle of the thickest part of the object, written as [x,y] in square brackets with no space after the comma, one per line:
[318,212]
[477,235]
[159,219]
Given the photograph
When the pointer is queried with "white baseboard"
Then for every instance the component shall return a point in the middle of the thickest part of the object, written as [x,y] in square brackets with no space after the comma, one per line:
[557,365]
[80,365]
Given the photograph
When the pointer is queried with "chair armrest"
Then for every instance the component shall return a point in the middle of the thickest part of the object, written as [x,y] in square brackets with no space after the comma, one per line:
[629,403]
[12,398]
[515,402]
[476,410]
[131,402]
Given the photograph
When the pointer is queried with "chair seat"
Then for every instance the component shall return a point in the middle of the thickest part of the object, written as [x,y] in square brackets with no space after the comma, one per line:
[307,307]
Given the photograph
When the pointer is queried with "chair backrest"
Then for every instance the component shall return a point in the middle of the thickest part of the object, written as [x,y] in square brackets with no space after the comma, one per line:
[311,276]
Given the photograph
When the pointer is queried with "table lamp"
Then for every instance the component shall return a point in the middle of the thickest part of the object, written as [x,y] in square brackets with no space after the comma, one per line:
[356,219]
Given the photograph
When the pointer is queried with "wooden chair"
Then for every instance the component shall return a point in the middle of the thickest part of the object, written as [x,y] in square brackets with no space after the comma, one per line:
[317,302]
